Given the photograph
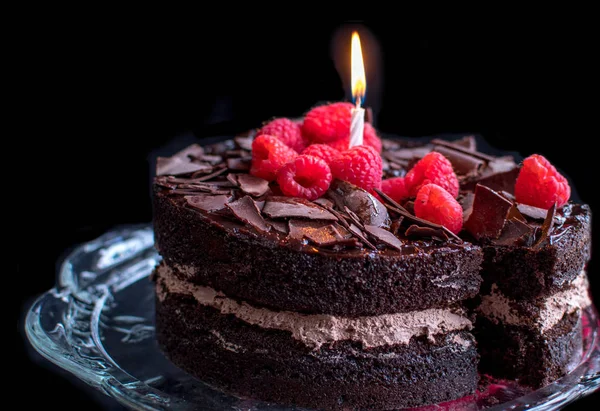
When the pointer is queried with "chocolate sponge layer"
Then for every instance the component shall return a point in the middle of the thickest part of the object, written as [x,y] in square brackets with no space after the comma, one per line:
[258,270]
[270,365]
[525,354]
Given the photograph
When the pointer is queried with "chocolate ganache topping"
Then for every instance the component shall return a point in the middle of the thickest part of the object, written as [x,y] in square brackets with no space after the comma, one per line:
[214,180]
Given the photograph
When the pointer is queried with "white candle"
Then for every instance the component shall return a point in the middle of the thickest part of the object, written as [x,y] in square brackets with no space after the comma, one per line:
[357,125]
[359,87]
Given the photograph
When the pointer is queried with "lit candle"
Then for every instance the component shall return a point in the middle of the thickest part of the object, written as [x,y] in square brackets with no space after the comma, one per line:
[359,87]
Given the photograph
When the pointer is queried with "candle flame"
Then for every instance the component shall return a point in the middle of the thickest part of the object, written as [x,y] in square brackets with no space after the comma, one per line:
[359,81]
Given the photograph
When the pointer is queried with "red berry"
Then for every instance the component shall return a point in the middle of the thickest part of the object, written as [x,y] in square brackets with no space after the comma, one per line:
[327,123]
[370,138]
[321,151]
[435,204]
[540,185]
[305,176]
[432,168]
[395,188]
[269,154]
[359,165]
[286,130]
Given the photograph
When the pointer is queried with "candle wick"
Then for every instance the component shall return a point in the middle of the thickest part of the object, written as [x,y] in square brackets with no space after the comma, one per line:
[358,102]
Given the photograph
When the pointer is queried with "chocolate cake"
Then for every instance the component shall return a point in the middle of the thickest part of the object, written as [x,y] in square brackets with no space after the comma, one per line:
[352,301]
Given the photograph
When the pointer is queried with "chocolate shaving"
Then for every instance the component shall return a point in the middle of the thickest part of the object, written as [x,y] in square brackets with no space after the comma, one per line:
[243,142]
[163,182]
[289,207]
[535,213]
[394,206]
[236,153]
[208,202]
[467,142]
[238,164]
[280,226]
[354,218]
[546,227]
[359,234]
[462,149]
[211,175]
[490,212]
[384,236]
[208,158]
[177,166]
[323,202]
[319,232]
[190,151]
[254,186]
[426,232]
[247,210]
[203,188]
[515,230]
[232,178]
[396,225]
[462,162]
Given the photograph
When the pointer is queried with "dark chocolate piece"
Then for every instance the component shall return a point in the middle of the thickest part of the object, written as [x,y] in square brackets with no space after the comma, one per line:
[244,143]
[318,231]
[462,162]
[467,142]
[177,166]
[280,226]
[364,205]
[532,212]
[426,232]
[324,202]
[394,206]
[357,232]
[247,211]
[546,226]
[384,236]
[515,231]
[254,186]
[490,212]
[461,148]
[238,164]
[208,203]
[211,175]
[290,207]
[207,158]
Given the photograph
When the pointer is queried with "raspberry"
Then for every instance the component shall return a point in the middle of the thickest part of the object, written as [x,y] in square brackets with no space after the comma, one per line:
[287,131]
[395,188]
[327,123]
[359,165]
[268,155]
[322,151]
[370,138]
[435,204]
[432,168]
[540,185]
[305,176]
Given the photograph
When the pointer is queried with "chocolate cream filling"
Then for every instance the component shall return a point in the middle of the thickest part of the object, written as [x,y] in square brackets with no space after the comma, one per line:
[314,330]
[544,314]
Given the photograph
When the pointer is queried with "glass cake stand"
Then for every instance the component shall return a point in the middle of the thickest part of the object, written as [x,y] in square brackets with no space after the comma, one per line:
[98,324]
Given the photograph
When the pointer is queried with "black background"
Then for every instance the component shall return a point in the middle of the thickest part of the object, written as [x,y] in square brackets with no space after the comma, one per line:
[100,100]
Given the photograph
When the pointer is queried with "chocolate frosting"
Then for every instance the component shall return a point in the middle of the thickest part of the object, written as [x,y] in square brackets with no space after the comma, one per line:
[315,330]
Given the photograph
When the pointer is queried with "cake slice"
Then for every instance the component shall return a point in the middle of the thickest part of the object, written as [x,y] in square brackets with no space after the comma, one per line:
[533,341]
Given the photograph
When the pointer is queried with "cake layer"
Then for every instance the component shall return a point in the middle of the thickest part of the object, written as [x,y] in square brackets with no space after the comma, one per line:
[233,258]
[523,353]
[218,343]
[525,272]
[538,314]
[314,330]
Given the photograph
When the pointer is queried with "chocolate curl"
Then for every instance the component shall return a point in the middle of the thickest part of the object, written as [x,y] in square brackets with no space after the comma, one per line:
[394,206]
[458,147]
[463,163]
[546,226]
